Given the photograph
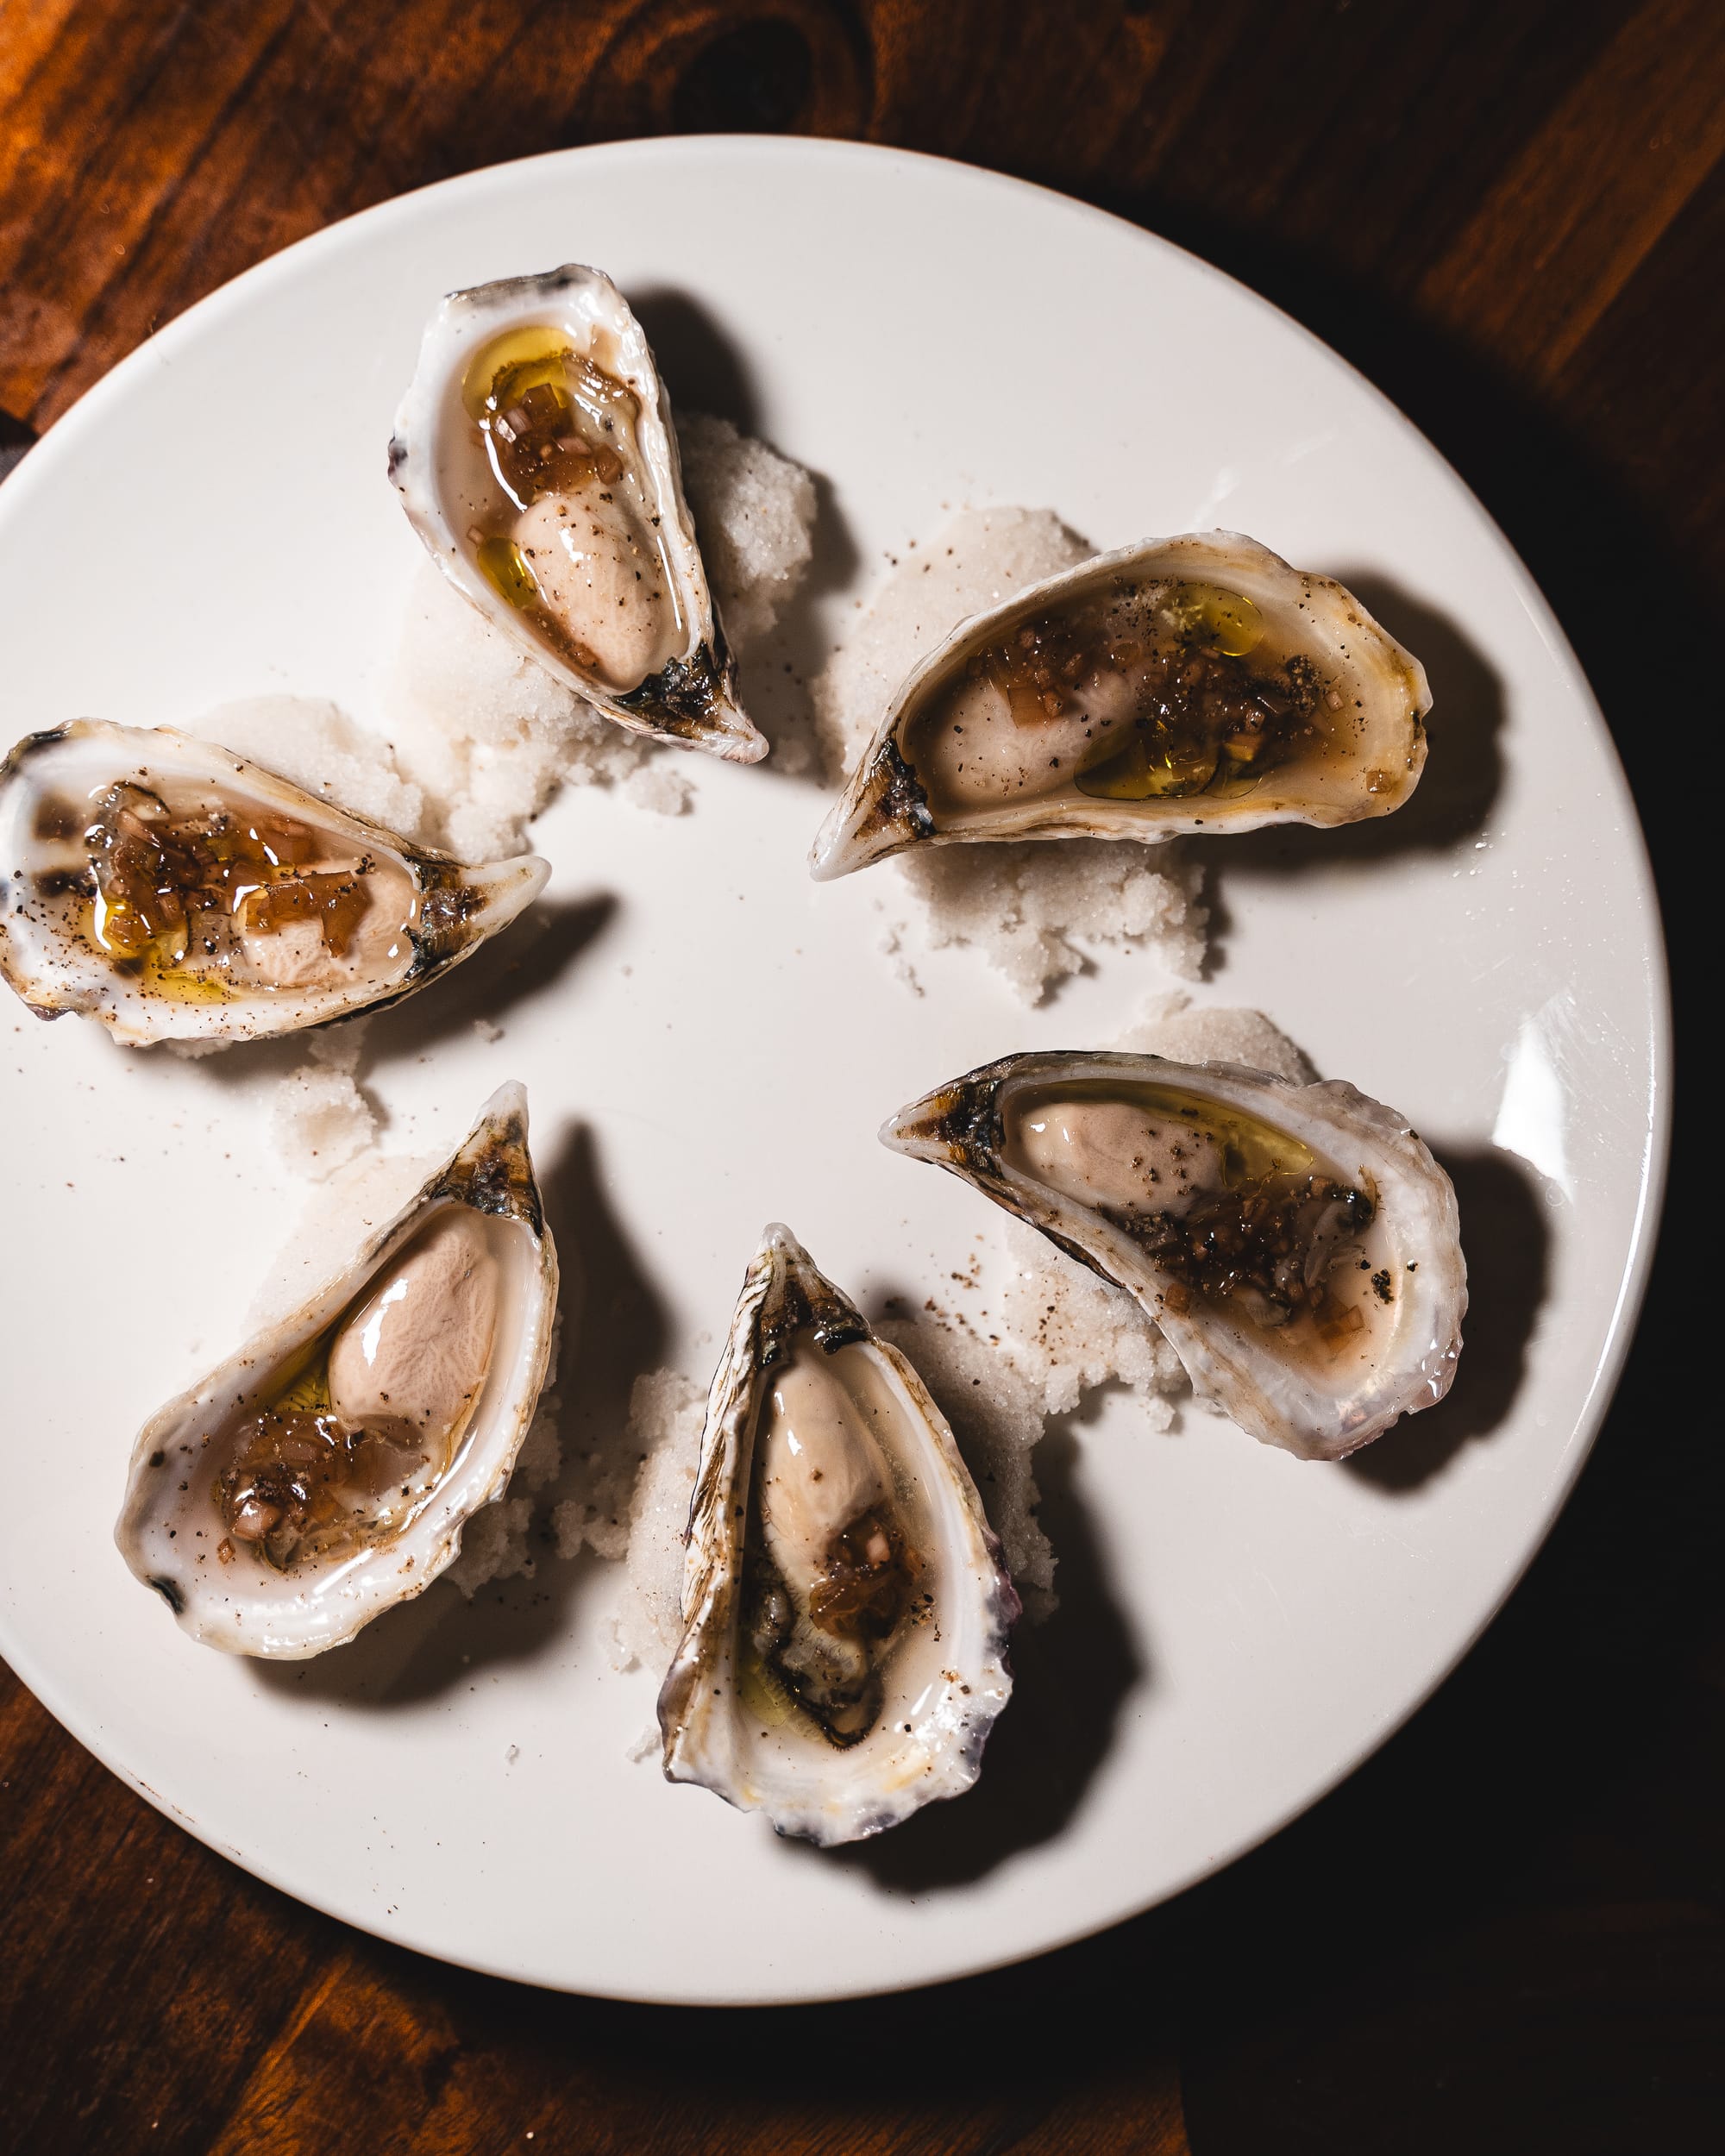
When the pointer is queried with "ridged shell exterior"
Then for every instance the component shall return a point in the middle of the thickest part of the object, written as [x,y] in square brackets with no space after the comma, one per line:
[885,807]
[693,700]
[168,1536]
[459,907]
[808,1789]
[1230,1361]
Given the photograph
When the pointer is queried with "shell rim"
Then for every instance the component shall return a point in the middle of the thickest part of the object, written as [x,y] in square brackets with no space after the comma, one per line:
[839,848]
[433,955]
[500,1123]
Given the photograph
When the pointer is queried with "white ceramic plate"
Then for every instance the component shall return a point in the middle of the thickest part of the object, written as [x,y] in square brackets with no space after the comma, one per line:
[1238,1630]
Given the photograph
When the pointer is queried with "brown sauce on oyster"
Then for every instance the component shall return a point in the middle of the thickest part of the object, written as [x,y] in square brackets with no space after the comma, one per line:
[565,531]
[200,896]
[1144,689]
[1230,1210]
[364,1429]
[831,1579]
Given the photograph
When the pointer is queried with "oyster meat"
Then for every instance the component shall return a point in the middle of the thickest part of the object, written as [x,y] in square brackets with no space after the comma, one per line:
[1298,1245]
[176,892]
[325,1471]
[1180,684]
[845,1605]
[535,456]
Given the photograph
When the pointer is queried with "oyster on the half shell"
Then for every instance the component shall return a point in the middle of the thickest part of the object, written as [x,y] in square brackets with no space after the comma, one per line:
[325,1471]
[1298,1245]
[1176,686]
[845,1607]
[535,456]
[176,892]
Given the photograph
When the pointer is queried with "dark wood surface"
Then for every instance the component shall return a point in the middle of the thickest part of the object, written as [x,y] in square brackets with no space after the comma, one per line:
[1505,1932]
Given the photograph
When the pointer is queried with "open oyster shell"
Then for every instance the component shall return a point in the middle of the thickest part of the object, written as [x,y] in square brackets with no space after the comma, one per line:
[176,892]
[325,1471]
[846,1608]
[535,456]
[1298,1245]
[1178,684]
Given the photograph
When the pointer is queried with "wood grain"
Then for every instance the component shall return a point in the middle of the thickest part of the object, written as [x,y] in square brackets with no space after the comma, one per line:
[1503,1933]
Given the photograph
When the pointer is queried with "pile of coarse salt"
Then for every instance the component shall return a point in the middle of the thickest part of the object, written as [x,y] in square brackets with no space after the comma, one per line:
[319,1119]
[665,1411]
[1034,909]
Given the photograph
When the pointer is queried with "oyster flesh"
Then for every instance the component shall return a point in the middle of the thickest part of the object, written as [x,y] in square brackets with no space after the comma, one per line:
[1298,1245]
[326,1470]
[535,456]
[845,1607]
[176,892]
[1179,685]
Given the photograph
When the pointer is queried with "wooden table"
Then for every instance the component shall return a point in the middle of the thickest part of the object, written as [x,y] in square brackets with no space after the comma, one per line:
[1505,1932]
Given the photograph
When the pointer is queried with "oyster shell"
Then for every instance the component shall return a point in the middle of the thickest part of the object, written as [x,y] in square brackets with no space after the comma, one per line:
[176,892]
[325,1471]
[845,1607]
[535,457]
[1179,685]
[1298,1245]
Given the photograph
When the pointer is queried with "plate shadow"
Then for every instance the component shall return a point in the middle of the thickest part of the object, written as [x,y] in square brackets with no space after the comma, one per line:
[702,370]
[1508,1244]
[531,954]
[706,371]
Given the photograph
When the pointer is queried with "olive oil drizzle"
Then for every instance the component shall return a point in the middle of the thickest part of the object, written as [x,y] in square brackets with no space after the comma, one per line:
[550,420]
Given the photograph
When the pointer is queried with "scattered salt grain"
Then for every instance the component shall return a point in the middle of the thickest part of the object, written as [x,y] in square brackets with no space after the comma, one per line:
[338,1046]
[319,1121]
[599,1515]
[1069,1330]
[658,789]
